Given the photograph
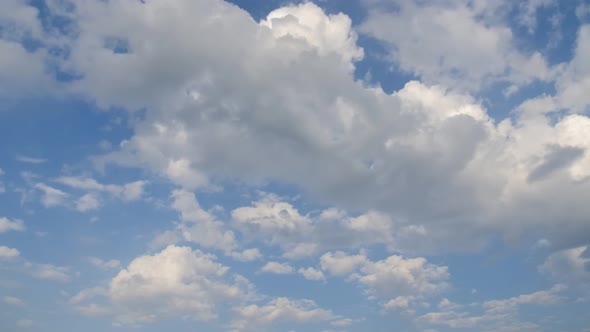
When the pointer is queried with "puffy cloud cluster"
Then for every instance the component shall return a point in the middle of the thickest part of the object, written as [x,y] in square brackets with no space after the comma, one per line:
[277,222]
[396,279]
[455,43]
[7,225]
[493,315]
[254,317]
[176,282]
[276,103]
[285,110]
[179,282]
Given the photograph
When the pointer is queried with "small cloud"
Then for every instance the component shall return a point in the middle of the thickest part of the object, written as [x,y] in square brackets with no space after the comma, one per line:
[8,253]
[247,255]
[277,268]
[14,301]
[312,274]
[48,272]
[51,196]
[105,145]
[87,202]
[7,225]
[105,265]
[30,160]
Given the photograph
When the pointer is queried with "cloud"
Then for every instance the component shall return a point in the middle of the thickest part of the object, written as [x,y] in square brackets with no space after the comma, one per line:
[279,102]
[254,317]
[8,253]
[571,266]
[453,44]
[339,263]
[7,225]
[542,297]
[128,192]
[14,301]
[308,22]
[87,202]
[277,268]
[276,222]
[497,315]
[51,196]
[247,255]
[48,272]
[415,155]
[30,160]
[200,226]
[175,282]
[311,274]
[397,276]
[105,265]
[398,303]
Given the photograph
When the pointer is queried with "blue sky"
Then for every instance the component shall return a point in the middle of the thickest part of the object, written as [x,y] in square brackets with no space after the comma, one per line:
[365,165]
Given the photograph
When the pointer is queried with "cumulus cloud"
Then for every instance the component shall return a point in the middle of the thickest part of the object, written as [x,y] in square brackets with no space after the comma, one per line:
[175,282]
[200,226]
[247,255]
[49,272]
[498,315]
[254,317]
[87,202]
[51,196]
[339,263]
[453,44]
[8,253]
[278,223]
[7,225]
[277,268]
[428,157]
[105,264]
[311,274]
[395,276]
[14,301]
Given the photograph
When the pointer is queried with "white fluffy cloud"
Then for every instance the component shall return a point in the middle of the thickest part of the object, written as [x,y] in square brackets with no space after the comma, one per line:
[49,272]
[311,274]
[571,266]
[176,282]
[7,225]
[14,301]
[275,102]
[87,202]
[395,276]
[51,196]
[453,43]
[247,255]
[277,268]
[254,317]
[339,263]
[279,223]
[8,253]
[200,226]
[492,315]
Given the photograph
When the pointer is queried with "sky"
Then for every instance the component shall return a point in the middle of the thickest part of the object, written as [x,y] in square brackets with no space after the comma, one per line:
[362,165]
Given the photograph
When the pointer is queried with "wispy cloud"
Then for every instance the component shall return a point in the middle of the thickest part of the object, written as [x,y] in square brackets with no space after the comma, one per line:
[30,160]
